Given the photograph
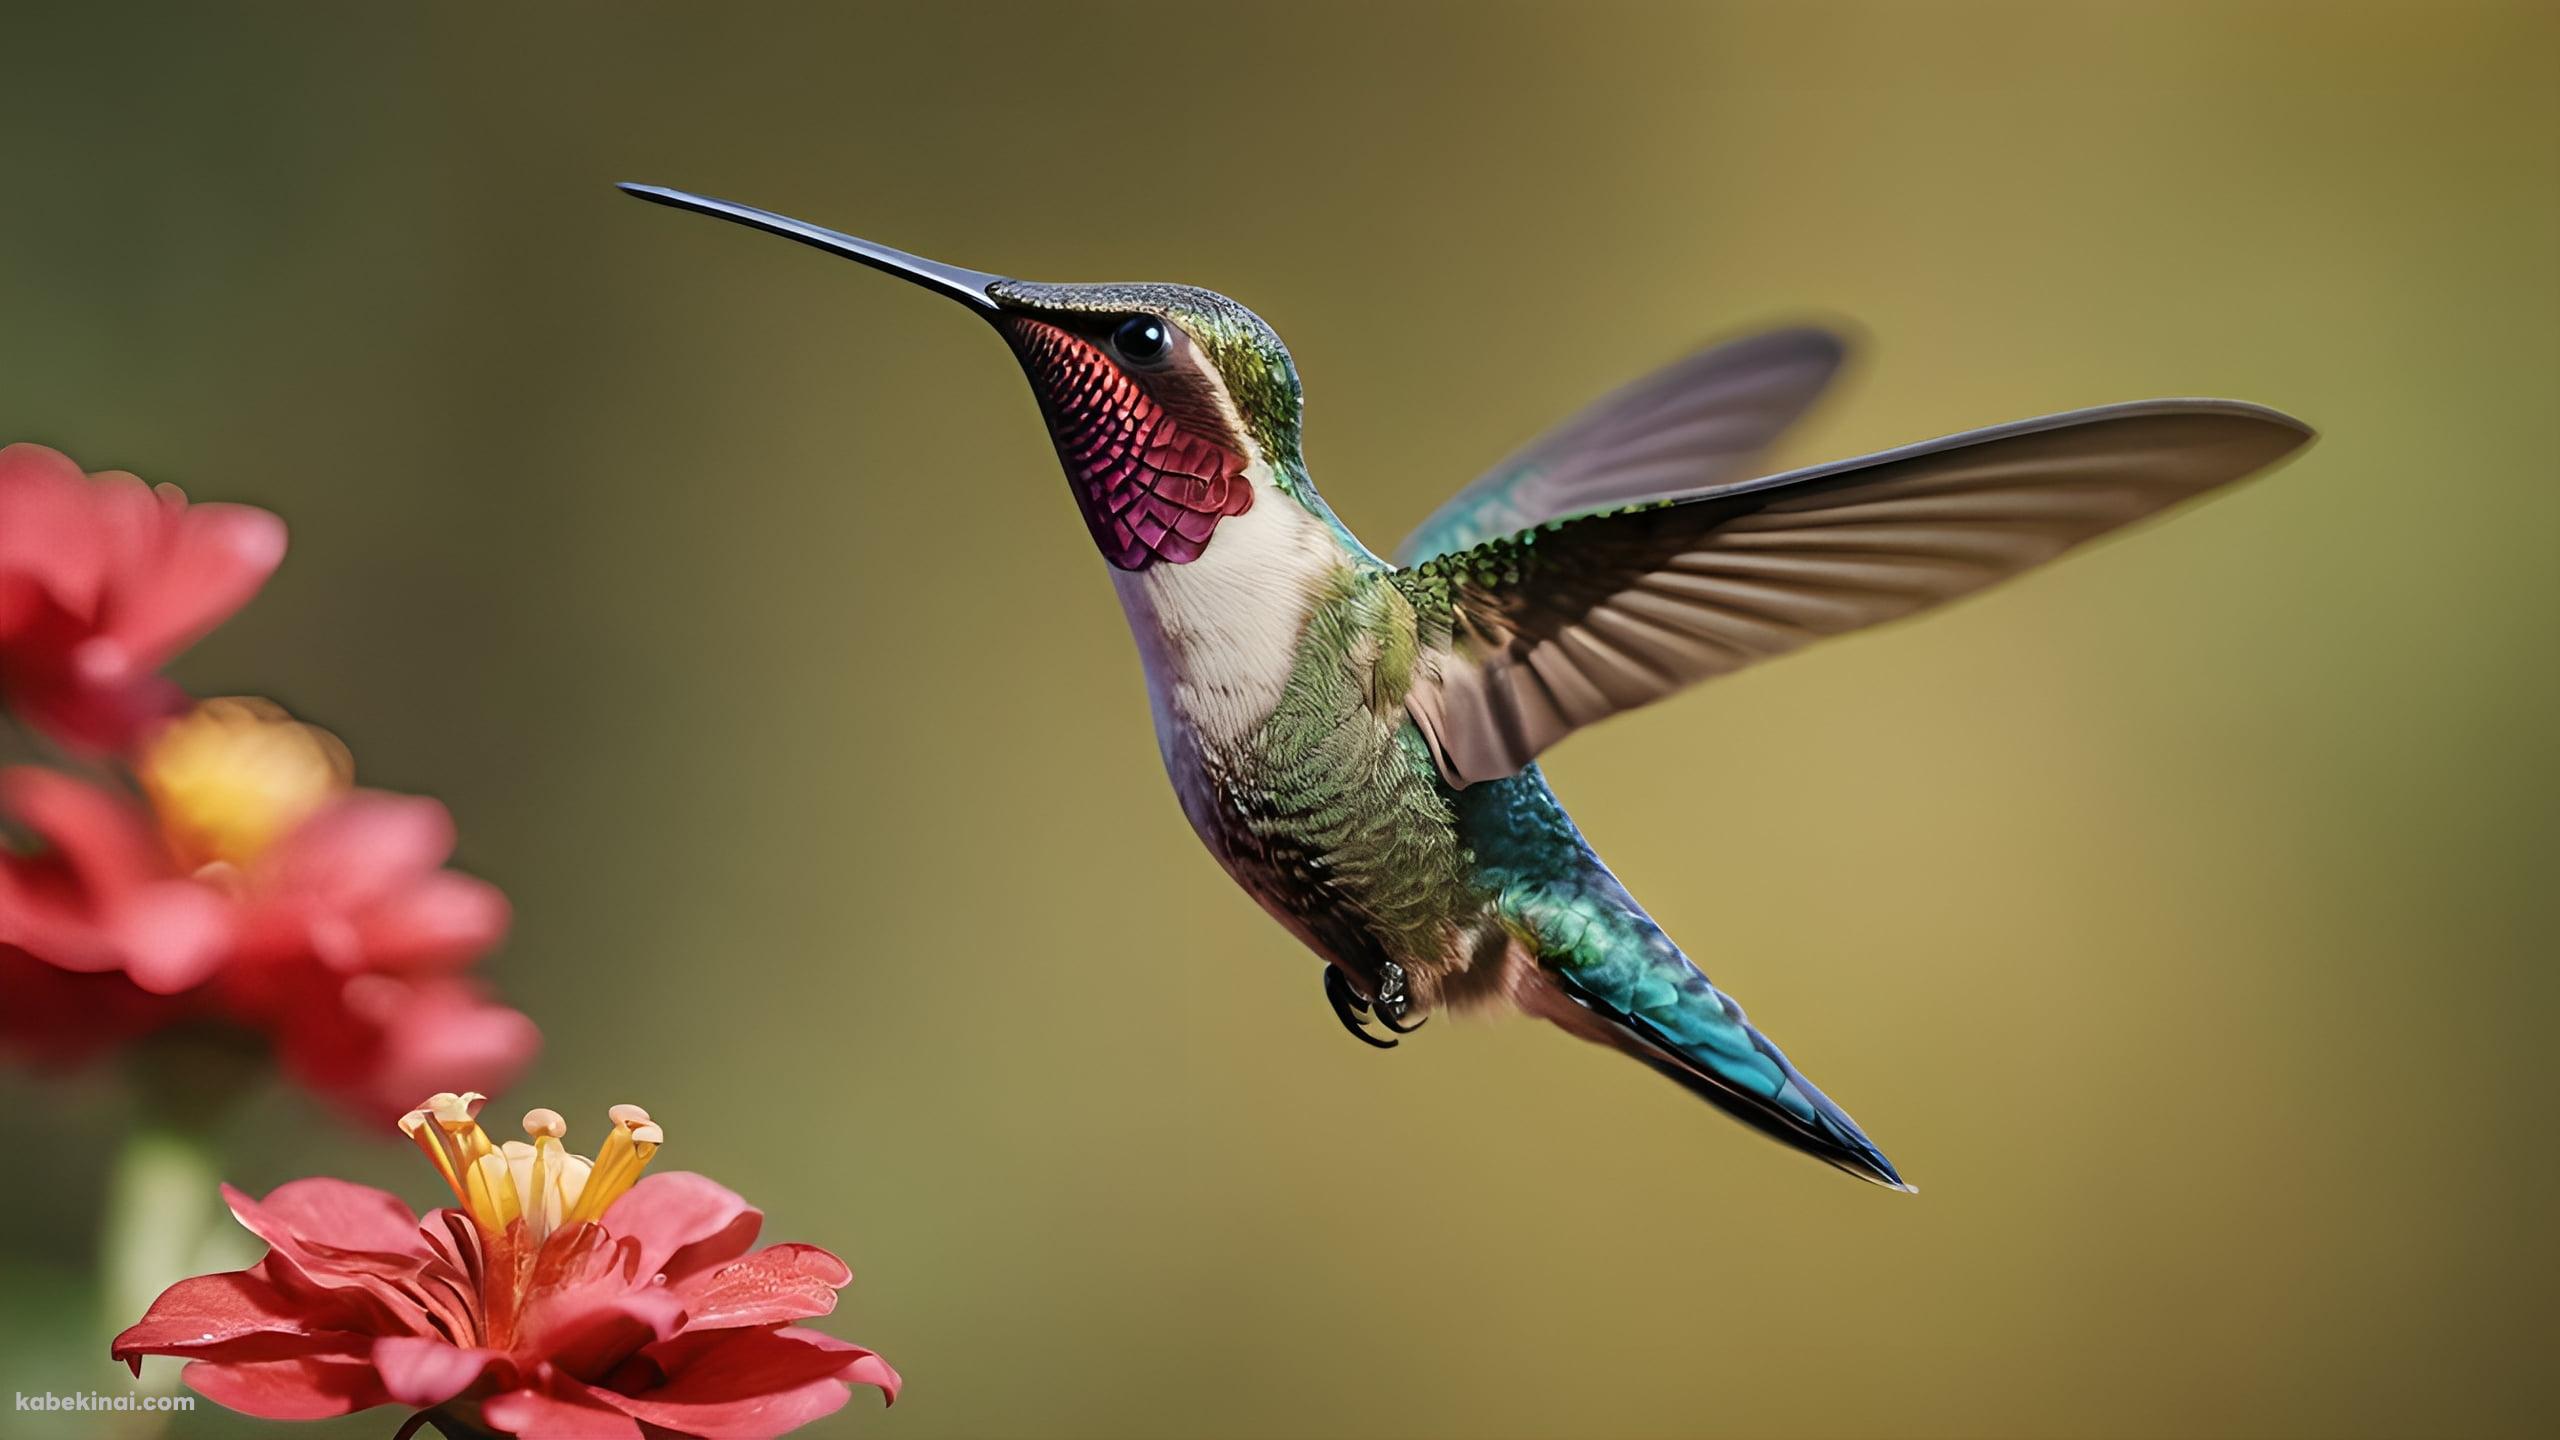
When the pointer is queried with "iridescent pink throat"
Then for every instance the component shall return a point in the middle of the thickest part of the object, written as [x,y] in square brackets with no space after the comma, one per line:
[1151,486]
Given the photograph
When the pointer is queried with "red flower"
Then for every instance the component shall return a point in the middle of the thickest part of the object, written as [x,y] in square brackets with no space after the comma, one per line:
[561,1300]
[55,1017]
[261,889]
[102,580]
[105,895]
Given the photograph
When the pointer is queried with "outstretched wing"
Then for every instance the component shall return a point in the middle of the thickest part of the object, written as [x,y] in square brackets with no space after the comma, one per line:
[1692,425]
[1532,636]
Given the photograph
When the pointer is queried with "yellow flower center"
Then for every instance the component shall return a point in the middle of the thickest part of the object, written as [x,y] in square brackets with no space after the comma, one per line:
[233,776]
[535,1182]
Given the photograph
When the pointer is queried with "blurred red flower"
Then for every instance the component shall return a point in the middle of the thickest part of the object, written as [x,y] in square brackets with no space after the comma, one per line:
[561,1300]
[102,580]
[53,1016]
[256,886]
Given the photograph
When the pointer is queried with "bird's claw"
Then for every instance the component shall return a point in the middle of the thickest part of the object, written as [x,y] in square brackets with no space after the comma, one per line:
[1388,1007]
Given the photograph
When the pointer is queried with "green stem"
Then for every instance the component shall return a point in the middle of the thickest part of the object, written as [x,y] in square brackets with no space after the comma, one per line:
[163,1218]
[162,1205]
[162,1214]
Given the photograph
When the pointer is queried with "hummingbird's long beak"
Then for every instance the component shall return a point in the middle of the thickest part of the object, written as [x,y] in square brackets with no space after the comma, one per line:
[967,286]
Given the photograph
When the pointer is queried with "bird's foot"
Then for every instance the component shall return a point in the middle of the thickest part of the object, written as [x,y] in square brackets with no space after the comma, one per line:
[1388,1008]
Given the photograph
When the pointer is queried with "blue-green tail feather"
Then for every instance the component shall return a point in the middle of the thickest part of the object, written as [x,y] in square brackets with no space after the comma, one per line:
[1766,1092]
[1616,978]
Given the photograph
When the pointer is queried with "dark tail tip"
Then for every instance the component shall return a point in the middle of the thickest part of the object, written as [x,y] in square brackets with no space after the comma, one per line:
[1799,1116]
[1833,1138]
[1868,1163]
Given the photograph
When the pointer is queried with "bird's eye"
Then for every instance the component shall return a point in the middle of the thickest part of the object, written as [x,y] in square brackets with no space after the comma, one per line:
[1142,338]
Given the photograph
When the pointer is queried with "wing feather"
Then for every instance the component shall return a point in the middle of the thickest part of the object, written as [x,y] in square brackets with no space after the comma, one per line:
[1696,423]
[1533,635]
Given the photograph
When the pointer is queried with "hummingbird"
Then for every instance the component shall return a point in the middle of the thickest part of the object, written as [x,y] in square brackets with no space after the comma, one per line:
[1354,738]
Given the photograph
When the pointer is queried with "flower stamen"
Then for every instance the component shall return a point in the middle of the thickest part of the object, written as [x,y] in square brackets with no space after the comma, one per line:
[420,1127]
[447,1128]
[493,1194]
[624,1154]
[535,1183]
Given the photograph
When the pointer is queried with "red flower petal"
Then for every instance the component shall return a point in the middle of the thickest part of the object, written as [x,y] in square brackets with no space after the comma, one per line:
[443,919]
[537,1416]
[312,1388]
[862,1367]
[756,1417]
[428,1036]
[233,1316]
[425,1370]
[777,1283]
[345,1216]
[362,847]
[587,1334]
[683,1222]
[107,841]
[745,1384]
[172,936]
[369,1286]
[27,458]
[56,1017]
[48,538]
[106,896]
[84,714]
[102,579]
[211,560]
[869,1369]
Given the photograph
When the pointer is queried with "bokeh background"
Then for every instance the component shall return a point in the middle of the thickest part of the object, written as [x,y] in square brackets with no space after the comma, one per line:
[2179,918]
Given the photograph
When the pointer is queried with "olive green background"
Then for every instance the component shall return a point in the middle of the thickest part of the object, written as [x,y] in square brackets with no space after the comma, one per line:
[2179,919]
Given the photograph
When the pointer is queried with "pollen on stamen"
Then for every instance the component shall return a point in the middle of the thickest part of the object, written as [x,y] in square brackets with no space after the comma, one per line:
[424,1127]
[626,1152]
[539,1121]
[455,1112]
